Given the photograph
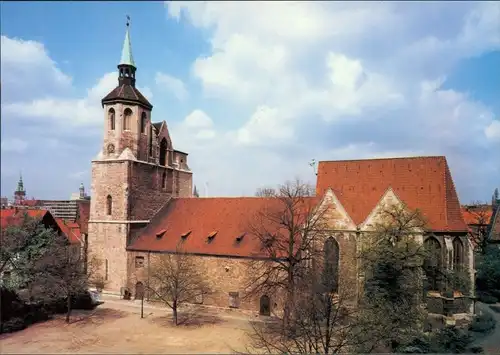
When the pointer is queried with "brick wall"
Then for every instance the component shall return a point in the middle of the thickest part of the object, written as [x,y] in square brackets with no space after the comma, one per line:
[145,192]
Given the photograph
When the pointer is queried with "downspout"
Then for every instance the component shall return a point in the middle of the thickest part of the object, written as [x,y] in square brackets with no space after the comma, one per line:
[147,281]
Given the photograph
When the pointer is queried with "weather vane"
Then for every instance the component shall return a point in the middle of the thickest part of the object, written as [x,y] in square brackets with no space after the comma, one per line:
[128,20]
[313,165]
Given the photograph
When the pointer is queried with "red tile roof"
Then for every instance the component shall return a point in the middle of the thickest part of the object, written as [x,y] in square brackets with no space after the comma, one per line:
[14,216]
[198,218]
[70,230]
[480,215]
[420,182]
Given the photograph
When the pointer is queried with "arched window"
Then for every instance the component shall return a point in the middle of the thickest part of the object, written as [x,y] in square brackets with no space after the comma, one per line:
[163,151]
[433,263]
[144,122]
[331,265]
[127,114]
[164,180]
[109,205]
[111,119]
[458,253]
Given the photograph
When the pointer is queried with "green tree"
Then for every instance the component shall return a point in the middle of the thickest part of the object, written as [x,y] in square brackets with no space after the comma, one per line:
[392,309]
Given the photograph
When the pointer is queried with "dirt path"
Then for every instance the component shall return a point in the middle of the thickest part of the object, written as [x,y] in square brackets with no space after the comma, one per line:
[116,327]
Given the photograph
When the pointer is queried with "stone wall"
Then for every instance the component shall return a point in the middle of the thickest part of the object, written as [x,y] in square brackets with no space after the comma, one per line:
[224,275]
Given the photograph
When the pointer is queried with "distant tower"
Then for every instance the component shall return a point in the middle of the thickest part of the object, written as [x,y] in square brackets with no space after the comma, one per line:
[82,191]
[495,199]
[20,193]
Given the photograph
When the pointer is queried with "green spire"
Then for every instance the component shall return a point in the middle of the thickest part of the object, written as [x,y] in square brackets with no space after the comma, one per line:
[127,58]
[20,185]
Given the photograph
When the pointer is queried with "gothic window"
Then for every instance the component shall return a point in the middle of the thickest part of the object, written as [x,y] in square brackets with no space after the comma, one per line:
[164,180]
[331,265]
[127,114]
[163,152]
[109,205]
[458,253]
[143,122]
[106,271]
[111,118]
[433,262]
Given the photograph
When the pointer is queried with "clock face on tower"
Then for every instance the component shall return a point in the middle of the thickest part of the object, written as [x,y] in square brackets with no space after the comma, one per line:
[111,148]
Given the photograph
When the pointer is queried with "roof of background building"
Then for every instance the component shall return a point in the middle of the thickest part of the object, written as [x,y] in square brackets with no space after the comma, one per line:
[420,182]
[14,216]
[477,215]
[70,229]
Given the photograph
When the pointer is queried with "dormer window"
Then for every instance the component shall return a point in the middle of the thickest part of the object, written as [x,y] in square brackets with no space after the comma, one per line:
[211,236]
[240,238]
[185,235]
[160,234]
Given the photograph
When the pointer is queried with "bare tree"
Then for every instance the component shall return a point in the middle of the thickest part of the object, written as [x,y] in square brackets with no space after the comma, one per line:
[392,258]
[65,272]
[265,192]
[322,322]
[478,233]
[287,229]
[175,279]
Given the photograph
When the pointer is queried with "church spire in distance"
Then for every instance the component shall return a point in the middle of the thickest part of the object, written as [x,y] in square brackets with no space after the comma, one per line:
[127,68]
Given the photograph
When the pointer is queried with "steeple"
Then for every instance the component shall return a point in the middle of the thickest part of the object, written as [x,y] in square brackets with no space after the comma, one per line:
[126,90]
[20,184]
[20,193]
[82,191]
[127,57]
[127,68]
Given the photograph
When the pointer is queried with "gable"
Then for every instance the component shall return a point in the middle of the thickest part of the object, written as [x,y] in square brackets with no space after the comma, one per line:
[336,214]
[423,183]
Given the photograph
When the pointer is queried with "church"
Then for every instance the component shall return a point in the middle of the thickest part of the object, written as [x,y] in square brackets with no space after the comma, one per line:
[142,206]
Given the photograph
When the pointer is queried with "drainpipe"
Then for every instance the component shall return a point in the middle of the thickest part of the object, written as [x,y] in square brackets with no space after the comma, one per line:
[147,281]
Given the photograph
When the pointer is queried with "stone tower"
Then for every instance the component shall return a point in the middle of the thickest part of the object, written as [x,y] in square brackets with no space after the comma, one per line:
[20,193]
[136,172]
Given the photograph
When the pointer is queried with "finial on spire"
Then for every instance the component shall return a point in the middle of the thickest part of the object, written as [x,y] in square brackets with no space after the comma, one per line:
[127,57]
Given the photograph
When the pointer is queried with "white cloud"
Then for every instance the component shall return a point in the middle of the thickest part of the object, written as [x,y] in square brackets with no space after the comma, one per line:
[27,70]
[493,131]
[374,73]
[172,84]
[70,112]
[15,145]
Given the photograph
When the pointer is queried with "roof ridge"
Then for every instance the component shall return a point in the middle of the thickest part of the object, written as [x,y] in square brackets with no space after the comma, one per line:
[393,158]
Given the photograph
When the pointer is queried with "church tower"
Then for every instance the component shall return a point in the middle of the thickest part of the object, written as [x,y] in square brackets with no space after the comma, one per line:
[20,193]
[136,173]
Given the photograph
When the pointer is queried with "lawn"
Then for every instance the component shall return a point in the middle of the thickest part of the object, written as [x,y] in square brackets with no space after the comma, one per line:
[112,329]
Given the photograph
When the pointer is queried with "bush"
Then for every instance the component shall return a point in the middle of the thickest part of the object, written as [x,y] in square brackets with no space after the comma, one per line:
[483,323]
[11,305]
[13,325]
[451,340]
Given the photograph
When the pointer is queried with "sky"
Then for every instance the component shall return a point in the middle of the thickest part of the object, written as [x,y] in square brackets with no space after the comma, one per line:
[254,91]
